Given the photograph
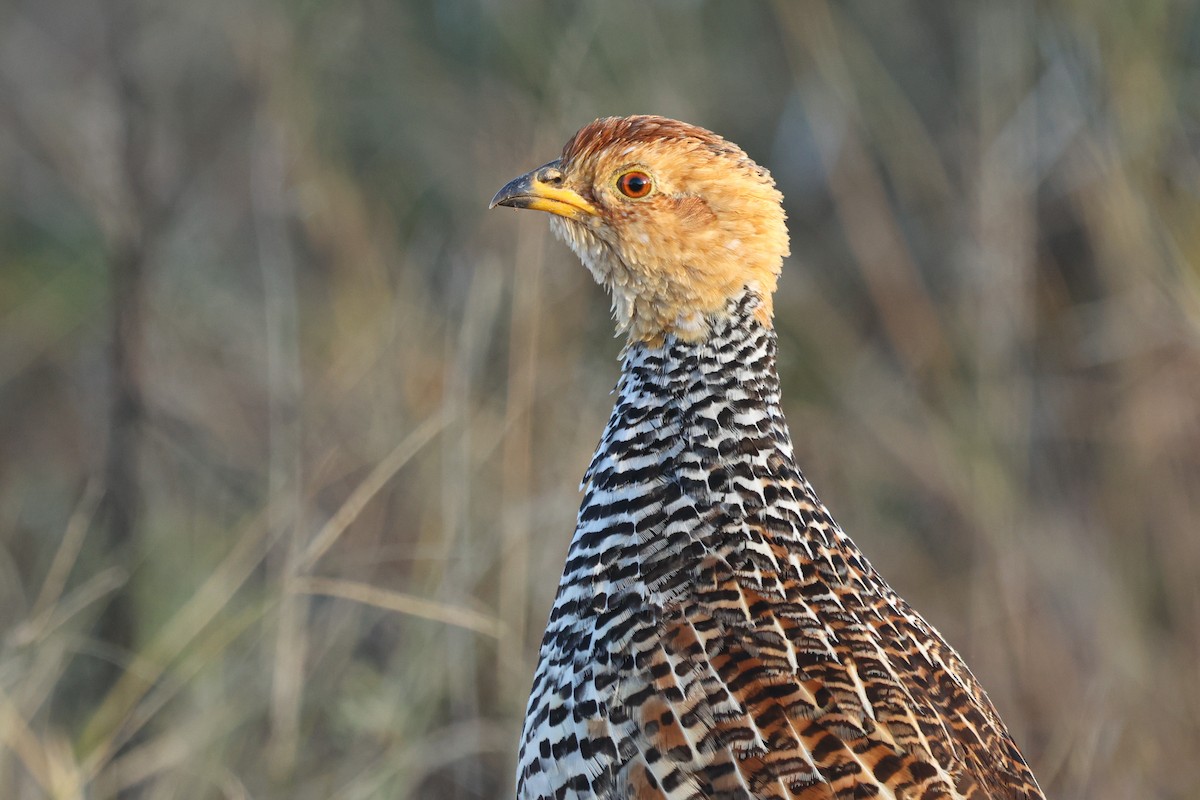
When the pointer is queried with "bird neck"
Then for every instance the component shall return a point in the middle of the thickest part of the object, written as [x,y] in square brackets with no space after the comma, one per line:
[732,367]
[693,445]
[682,298]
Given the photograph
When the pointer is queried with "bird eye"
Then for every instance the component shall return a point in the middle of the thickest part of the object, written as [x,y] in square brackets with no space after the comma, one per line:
[634,184]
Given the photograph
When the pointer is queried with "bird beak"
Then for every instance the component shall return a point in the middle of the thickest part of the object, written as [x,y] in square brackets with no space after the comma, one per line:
[543,190]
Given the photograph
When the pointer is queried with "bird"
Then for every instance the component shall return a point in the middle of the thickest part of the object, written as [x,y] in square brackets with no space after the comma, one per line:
[715,633]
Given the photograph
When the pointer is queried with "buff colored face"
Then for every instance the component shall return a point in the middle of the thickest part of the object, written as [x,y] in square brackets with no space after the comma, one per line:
[670,218]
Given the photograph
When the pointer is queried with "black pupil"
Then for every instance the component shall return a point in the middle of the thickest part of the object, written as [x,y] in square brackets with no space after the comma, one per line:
[635,184]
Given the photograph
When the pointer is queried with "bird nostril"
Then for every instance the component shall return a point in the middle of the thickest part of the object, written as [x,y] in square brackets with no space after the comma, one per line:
[550,175]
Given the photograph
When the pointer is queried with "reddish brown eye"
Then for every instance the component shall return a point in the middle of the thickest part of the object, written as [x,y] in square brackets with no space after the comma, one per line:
[634,184]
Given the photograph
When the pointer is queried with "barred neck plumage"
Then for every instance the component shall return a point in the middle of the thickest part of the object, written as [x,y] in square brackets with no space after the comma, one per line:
[695,420]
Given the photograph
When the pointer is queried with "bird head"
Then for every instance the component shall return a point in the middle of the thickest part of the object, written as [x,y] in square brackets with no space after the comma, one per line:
[670,218]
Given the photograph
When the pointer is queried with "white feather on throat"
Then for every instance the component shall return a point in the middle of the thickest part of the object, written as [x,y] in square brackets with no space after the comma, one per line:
[624,285]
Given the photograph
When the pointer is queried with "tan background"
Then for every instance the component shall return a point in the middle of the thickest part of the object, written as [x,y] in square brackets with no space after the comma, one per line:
[290,425]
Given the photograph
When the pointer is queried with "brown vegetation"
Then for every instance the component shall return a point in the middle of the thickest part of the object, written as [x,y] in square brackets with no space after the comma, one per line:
[290,426]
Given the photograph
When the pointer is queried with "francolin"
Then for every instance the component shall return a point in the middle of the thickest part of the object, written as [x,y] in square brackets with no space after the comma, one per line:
[715,634]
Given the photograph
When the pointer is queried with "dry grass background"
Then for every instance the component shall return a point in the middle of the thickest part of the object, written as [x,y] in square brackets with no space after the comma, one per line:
[290,426]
